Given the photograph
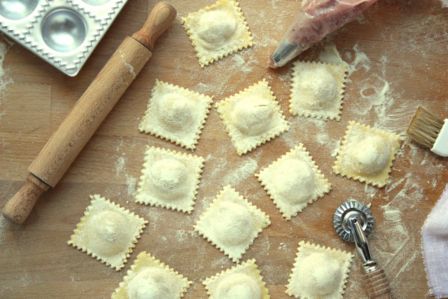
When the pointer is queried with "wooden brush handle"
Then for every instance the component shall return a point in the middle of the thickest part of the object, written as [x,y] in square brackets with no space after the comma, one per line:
[89,112]
[377,284]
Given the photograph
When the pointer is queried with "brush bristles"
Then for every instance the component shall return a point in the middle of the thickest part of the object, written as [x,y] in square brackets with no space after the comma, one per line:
[424,128]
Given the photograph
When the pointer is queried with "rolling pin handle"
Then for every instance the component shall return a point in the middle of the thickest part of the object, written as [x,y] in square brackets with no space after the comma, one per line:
[158,21]
[21,204]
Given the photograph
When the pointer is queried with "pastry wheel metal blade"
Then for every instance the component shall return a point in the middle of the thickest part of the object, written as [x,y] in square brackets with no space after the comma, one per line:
[352,209]
[353,222]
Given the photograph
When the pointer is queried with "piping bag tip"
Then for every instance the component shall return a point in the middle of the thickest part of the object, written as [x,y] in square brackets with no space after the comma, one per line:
[285,52]
[272,64]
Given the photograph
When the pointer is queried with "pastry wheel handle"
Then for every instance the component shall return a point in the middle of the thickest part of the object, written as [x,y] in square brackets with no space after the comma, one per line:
[375,279]
[376,283]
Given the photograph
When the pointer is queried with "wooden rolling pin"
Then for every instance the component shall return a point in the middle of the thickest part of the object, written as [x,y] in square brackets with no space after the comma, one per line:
[89,112]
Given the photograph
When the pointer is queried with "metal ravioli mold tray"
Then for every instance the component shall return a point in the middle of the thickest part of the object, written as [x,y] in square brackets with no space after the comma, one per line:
[62,32]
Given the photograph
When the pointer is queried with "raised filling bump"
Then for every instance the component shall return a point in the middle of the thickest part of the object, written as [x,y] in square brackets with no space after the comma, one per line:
[216,28]
[252,115]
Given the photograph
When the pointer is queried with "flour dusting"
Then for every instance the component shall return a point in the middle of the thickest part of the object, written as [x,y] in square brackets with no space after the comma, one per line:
[330,54]
[4,80]
[4,223]
[120,170]
[120,165]
[182,235]
[242,172]
[242,65]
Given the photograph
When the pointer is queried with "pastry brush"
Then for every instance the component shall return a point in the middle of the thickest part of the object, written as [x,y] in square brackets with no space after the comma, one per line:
[430,132]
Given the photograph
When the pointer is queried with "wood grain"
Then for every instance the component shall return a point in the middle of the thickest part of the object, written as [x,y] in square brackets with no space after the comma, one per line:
[405,42]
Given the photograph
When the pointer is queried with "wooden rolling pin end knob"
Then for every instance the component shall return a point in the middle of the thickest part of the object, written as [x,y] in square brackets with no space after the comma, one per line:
[21,204]
[377,285]
[158,21]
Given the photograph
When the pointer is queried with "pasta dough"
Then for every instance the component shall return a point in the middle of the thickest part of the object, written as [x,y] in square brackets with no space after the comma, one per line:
[238,286]
[317,89]
[109,238]
[216,27]
[150,278]
[252,117]
[294,181]
[367,154]
[240,282]
[217,30]
[175,114]
[168,176]
[236,223]
[175,111]
[319,272]
[107,232]
[150,283]
[231,223]
[169,179]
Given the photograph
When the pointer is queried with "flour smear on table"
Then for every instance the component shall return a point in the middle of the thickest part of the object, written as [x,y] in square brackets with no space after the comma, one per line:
[4,78]
[393,244]
[4,81]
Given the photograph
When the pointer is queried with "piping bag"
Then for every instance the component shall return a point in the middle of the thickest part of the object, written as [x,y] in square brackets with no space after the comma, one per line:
[315,20]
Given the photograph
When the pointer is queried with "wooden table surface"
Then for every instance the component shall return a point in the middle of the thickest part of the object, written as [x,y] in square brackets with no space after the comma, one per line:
[398,59]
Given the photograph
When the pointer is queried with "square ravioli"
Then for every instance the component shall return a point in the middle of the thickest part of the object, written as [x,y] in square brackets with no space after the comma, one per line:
[319,272]
[294,181]
[231,223]
[175,114]
[150,278]
[217,30]
[241,281]
[169,179]
[252,117]
[367,154]
[107,232]
[318,89]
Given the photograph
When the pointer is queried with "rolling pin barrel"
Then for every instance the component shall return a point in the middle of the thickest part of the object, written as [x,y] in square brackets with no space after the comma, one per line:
[89,112]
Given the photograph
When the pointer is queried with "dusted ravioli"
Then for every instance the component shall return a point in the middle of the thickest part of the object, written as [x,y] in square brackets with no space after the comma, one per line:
[175,114]
[107,232]
[319,272]
[169,179]
[367,154]
[317,90]
[217,31]
[231,223]
[252,117]
[150,278]
[294,181]
[243,281]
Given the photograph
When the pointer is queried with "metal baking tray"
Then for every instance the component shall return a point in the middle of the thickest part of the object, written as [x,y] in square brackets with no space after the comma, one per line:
[62,32]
